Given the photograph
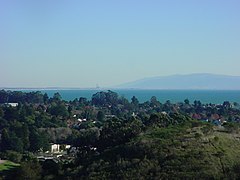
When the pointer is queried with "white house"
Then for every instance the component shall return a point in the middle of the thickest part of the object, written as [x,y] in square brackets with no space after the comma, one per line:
[12,104]
[67,146]
[55,148]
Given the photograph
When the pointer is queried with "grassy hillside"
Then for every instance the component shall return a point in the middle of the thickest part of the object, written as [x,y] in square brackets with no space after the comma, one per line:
[195,150]
[6,167]
[193,153]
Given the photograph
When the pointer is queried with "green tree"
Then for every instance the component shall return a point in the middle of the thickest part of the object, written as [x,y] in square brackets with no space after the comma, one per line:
[1,112]
[11,113]
[4,95]
[16,144]
[226,104]
[13,156]
[57,97]
[69,110]
[105,98]
[83,101]
[30,170]
[186,101]
[38,141]
[154,102]
[58,110]
[5,140]
[100,116]
[50,167]
[116,132]
[45,98]
[25,136]
[135,101]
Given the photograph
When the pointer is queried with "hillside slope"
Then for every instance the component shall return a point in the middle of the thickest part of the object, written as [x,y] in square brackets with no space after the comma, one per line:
[199,152]
[191,81]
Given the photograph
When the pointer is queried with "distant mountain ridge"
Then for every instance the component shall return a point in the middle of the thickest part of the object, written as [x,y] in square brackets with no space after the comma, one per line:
[199,81]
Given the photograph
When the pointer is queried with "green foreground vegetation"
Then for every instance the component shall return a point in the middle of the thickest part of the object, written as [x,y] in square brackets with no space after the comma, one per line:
[6,169]
[176,152]
[8,165]
[112,138]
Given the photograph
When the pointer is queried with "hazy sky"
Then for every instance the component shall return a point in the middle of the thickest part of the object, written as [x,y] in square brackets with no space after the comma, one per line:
[81,43]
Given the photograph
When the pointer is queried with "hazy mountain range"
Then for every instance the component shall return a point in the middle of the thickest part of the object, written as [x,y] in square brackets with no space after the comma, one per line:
[190,81]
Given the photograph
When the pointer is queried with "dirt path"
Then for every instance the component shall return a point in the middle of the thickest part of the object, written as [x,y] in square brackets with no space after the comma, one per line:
[2,161]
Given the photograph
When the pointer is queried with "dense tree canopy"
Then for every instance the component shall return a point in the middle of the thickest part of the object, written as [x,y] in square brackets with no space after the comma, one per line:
[109,134]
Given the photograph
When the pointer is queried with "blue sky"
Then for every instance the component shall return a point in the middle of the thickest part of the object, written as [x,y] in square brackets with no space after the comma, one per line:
[81,43]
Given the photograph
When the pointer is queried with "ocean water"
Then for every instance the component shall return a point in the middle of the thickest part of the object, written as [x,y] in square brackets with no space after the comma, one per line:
[205,96]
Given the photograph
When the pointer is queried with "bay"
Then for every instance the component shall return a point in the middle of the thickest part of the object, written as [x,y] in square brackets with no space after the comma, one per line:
[205,96]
